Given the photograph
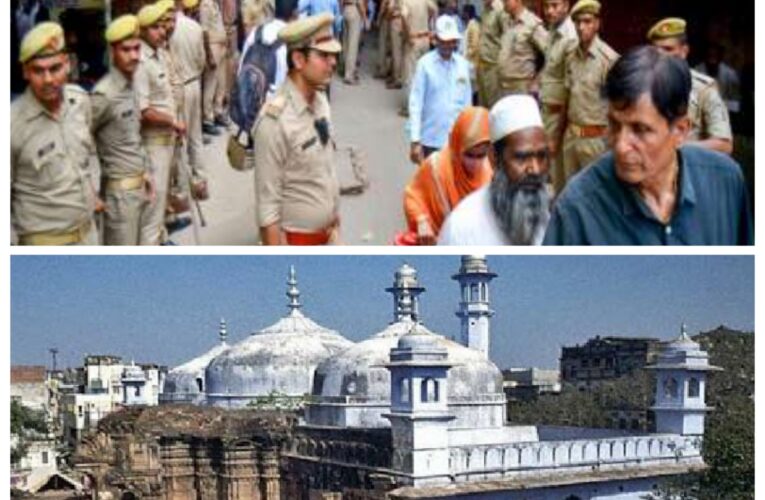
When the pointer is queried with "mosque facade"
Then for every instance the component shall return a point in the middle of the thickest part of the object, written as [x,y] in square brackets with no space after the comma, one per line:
[409,413]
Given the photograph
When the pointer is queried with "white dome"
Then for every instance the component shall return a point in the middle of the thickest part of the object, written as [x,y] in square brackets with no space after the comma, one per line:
[279,359]
[360,377]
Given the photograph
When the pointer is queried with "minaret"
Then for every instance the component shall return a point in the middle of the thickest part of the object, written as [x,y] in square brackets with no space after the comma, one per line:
[680,387]
[419,414]
[474,311]
[405,291]
[293,294]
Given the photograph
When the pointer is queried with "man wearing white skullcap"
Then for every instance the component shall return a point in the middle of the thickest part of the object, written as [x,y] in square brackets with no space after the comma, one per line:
[514,208]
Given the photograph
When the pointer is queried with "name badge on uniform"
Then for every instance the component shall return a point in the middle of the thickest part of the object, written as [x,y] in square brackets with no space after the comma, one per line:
[46,149]
[126,113]
[310,142]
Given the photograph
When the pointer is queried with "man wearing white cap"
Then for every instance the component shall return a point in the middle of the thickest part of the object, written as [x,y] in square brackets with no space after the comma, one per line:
[440,90]
[514,208]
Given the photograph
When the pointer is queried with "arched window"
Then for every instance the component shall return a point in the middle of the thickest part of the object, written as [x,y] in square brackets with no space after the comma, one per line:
[670,388]
[693,388]
[404,390]
[429,390]
[474,292]
[200,384]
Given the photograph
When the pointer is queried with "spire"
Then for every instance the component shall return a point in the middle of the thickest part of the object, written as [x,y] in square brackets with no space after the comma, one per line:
[222,332]
[405,290]
[292,291]
[684,332]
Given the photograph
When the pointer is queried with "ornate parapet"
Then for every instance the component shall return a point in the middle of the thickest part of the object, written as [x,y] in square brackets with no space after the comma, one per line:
[470,463]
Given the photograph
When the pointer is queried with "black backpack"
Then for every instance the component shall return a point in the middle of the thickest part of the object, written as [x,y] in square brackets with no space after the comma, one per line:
[252,83]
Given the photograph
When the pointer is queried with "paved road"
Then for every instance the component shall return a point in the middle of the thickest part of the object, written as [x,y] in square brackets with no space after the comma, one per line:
[364,116]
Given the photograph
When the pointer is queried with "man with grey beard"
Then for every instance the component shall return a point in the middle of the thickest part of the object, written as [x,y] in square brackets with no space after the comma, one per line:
[514,208]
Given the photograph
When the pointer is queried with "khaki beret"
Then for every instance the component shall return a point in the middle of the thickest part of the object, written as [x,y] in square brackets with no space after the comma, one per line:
[122,28]
[45,39]
[314,32]
[667,28]
[190,4]
[149,15]
[586,7]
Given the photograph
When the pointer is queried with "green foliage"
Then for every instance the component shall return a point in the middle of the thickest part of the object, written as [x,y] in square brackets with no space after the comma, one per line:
[25,421]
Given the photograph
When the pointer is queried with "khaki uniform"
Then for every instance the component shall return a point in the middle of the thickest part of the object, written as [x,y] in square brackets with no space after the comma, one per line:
[124,163]
[351,35]
[383,41]
[488,52]
[416,16]
[522,40]
[397,41]
[296,182]
[706,110]
[553,94]
[187,46]
[52,197]
[587,111]
[214,92]
[153,89]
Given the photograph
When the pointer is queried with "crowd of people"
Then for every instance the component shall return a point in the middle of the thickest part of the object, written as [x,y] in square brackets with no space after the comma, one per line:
[523,130]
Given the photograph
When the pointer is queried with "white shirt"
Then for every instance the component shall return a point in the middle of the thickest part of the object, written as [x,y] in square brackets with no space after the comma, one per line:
[473,222]
[270,31]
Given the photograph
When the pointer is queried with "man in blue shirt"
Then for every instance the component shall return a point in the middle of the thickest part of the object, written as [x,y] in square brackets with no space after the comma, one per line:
[650,189]
[308,8]
[440,90]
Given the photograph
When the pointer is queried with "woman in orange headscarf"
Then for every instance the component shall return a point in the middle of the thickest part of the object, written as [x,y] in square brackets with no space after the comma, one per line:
[448,175]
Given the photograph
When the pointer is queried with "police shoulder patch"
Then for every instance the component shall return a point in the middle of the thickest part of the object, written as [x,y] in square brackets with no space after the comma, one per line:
[275,106]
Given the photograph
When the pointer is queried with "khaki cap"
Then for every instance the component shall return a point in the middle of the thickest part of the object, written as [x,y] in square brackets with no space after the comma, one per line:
[45,39]
[586,7]
[122,28]
[165,5]
[149,15]
[667,28]
[190,4]
[314,32]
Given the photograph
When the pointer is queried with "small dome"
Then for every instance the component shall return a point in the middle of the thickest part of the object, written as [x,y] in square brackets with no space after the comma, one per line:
[406,276]
[418,339]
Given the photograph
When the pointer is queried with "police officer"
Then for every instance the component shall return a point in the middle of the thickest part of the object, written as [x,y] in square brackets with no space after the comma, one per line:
[354,19]
[125,167]
[587,65]
[296,183]
[52,196]
[214,88]
[488,51]
[161,126]
[396,38]
[552,88]
[710,122]
[524,38]
[416,16]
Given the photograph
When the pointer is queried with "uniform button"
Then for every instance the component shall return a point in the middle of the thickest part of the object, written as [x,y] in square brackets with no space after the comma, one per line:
[668,230]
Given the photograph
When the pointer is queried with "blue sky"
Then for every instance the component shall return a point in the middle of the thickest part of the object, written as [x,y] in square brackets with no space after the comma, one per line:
[166,309]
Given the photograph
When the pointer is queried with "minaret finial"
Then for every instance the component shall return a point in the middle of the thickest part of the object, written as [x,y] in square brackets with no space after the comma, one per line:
[684,331]
[292,291]
[222,331]
[405,290]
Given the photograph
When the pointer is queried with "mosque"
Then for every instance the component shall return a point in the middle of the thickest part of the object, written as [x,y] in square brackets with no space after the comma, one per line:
[430,413]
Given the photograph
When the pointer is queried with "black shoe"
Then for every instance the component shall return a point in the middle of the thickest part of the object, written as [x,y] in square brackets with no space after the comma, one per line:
[221,121]
[178,224]
[168,243]
[210,129]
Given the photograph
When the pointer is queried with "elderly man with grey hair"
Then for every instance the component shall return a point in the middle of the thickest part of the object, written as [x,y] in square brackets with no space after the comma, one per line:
[514,208]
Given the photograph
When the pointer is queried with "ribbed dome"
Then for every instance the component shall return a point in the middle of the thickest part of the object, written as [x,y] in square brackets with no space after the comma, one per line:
[280,359]
[361,373]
